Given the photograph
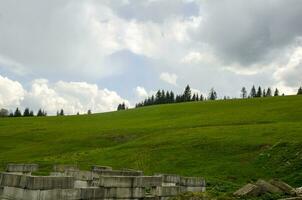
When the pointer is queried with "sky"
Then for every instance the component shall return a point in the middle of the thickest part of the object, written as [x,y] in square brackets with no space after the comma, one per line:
[91,54]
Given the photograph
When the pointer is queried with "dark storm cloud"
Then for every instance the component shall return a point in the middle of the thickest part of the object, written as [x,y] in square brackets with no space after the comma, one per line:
[250,32]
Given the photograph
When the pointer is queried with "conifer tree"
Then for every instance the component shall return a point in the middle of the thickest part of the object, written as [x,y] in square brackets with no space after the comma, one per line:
[264,93]
[253,93]
[62,112]
[212,94]
[17,113]
[26,112]
[269,92]
[276,93]
[187,94]
[259,92]
[299,91]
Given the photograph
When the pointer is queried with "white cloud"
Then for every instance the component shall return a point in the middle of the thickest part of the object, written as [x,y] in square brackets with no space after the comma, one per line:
[169,78]
[141,92]
[11,93]
[73,97]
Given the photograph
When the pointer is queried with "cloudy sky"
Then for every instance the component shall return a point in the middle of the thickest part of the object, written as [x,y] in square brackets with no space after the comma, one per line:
[94,54]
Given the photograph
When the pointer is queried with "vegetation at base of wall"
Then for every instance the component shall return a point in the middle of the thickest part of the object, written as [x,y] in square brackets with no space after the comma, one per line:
[228,142]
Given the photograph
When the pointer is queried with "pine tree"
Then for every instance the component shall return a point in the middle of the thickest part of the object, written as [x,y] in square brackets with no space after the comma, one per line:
[17,113]
[201,98]
[253,93]
[31,113]
[158,97]
[197,97]
[276,93]
[299,91]
[193,97]
[26,112]
[243,93]
[269,92]
[264,93]
[172,100]
[259,92]
[40,113]
[62,112]
[212,94]
[187,94]
[89,112]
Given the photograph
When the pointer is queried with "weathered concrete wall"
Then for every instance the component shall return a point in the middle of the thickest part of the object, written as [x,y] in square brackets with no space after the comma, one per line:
[22,168]
[36,182]
[102,183]
[130,181]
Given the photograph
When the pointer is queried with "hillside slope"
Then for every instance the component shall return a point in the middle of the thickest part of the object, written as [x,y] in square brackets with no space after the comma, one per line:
[230,141]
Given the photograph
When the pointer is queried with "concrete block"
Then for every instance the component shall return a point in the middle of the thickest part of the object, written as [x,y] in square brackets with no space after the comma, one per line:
[92,193]
[63,168]
[287,189]
[118,173]
[248,190]
[167,191]
[192,181]
[22,168]
[36,182]
[130,181]
[48,182]
[59,194]
[81,184]
[124,193]
[170,178]
[267,187]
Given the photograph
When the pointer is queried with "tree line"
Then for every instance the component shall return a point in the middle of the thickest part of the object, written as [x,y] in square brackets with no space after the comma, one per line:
[164,97]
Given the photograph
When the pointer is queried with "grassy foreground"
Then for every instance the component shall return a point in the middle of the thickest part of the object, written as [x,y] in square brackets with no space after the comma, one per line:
[228,142]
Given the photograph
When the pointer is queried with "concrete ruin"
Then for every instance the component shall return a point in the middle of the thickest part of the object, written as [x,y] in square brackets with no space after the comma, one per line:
[67,182]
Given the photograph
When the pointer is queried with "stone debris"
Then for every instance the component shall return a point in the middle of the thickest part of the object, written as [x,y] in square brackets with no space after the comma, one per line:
[67,182]
[299,191]
[287,189]
[261,187]
[248,190]
[266,187]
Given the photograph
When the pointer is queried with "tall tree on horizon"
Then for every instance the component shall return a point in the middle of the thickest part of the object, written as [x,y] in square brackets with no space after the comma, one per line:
[187,94]
[243,93]
[259,92]
[253,93]
[299,91]
[212,94]
[17,113]
[269,92]
[26,112]
[276,93]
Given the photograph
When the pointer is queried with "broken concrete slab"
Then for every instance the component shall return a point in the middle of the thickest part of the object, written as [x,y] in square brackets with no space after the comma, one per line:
[248,190]
[267,187]
[284,187]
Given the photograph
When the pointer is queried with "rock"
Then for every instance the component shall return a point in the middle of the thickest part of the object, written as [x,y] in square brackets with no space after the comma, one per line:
[299,191]
[267,187]
[248,190]
[287,189]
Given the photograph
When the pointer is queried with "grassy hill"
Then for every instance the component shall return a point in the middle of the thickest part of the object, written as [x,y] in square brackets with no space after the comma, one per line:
[228,142]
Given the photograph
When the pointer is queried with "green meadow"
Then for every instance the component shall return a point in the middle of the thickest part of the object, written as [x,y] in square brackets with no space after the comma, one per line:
[228,142]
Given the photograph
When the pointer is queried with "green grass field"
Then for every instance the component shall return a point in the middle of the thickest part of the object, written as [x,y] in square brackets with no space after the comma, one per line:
[228,142]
